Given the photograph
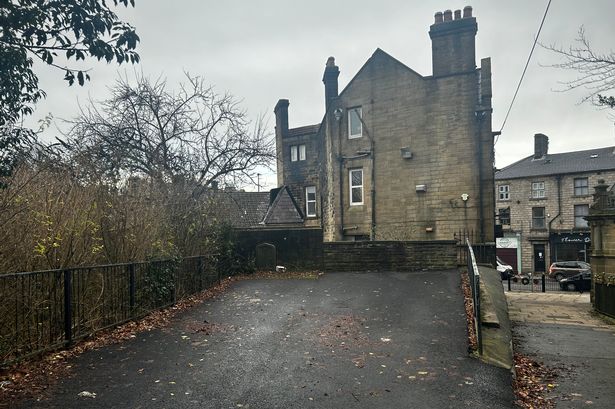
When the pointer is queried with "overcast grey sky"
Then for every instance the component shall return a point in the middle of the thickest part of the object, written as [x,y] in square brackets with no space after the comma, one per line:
[261,51]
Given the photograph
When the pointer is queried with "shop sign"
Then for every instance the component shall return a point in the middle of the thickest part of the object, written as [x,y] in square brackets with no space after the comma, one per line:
[506,243]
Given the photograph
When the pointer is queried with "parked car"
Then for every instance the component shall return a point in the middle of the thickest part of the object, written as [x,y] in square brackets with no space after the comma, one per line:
[504,269]
[580,282]
[565,269]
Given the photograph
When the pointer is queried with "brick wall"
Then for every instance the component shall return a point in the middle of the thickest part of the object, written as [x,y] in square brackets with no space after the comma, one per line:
[389,255]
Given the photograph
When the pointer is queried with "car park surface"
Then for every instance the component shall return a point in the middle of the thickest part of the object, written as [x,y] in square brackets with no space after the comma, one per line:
[346,340]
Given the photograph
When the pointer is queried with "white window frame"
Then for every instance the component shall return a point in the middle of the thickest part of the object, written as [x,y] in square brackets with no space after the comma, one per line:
[351,186]
[583,187]
[308,190]
[301,152]
[293,153]
[538,190]
[504,192]
[579,222]
[359,111]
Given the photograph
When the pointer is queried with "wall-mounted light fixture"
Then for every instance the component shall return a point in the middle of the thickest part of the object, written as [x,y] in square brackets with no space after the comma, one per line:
[338,114]
[421,188]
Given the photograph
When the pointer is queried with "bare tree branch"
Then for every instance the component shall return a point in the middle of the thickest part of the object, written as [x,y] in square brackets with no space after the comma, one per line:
[596,70]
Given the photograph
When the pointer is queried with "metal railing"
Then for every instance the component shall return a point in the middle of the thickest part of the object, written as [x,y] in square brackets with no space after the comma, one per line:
[43,310]
[474,276]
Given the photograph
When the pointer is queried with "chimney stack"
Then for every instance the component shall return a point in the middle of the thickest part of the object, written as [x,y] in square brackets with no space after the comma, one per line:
[329,78]
[281,117]
[281,131]
[453,42]
[541,145]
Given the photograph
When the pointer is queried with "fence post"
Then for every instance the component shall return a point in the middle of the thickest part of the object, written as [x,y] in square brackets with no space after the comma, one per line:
[544,283]
[68,311]
[200,271]
[131,278]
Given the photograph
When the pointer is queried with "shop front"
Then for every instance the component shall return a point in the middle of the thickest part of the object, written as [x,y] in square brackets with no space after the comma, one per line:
[570,246]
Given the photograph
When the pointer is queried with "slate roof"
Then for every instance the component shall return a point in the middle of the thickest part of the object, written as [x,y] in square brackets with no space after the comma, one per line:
[243,209]
[283,209]
[591,160]
[303,130]
[248,210]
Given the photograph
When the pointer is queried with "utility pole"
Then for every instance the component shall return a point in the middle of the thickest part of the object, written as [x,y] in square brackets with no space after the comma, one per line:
[258,182]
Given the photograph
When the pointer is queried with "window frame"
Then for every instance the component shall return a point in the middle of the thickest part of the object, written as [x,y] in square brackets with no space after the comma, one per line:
[359,117]
[352,186]
[294,153]
[584,188]
[302,152]
[585,223]
[504,211]
[543,218]
[308,201]
[504,194]
[536,191]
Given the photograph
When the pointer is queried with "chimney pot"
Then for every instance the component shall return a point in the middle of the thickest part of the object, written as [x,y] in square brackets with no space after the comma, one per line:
[438,18]
[467,11]
[448,15]
[457,14]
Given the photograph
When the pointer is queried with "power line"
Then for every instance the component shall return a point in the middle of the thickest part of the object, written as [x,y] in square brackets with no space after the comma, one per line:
[526,65]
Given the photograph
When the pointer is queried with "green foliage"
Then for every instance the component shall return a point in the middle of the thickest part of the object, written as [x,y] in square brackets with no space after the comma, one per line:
[52,30]
[231,262]
[14,142]
[606,101]
[159,282]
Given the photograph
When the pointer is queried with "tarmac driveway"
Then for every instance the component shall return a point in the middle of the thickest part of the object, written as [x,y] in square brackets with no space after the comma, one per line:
[388,340]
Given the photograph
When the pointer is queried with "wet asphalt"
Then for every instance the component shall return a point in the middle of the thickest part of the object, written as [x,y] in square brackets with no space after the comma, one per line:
[381,340]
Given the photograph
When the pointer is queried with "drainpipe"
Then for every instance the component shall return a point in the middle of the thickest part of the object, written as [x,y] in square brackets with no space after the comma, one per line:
[373,230]
[480,116]
[338,117]
[558,178]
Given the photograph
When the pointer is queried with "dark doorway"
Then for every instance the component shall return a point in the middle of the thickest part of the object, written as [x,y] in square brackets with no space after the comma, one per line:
[539,258]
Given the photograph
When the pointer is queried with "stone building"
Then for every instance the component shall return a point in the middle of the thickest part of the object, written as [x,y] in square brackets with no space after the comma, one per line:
[542,201]
[602,221]
[398,155]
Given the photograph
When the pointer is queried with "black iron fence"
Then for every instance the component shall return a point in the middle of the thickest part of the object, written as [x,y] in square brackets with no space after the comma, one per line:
[484,253]
[46,309]
[604,298]
[474,276]
[536,283]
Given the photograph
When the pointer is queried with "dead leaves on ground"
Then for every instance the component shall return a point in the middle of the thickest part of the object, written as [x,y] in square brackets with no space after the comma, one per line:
[532,382]
[32,377]
[467,300]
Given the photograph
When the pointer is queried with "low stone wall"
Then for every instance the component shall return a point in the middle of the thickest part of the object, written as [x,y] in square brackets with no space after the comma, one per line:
[389,255]
[295,248]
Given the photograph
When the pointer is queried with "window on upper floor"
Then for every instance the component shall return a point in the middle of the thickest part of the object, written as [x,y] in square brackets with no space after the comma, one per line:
[581,187]
[538,190]
[504,216]
[355,126]
[310,201]
[297,152]
[538,218]
[503,192]
[580,211]
[355,177]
